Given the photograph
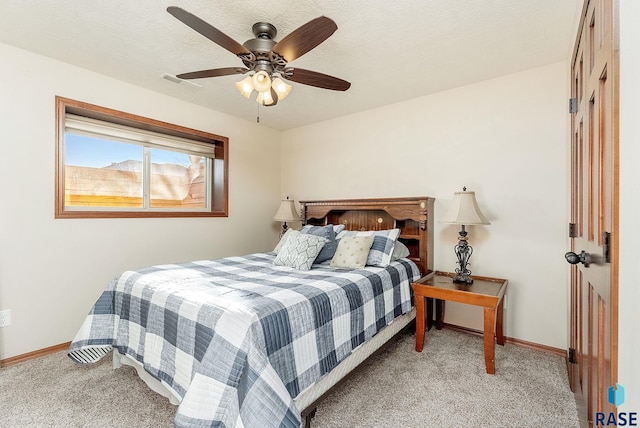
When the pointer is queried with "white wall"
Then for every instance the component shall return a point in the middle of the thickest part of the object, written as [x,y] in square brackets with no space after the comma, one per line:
[505,139]
[629,282]
[52,271]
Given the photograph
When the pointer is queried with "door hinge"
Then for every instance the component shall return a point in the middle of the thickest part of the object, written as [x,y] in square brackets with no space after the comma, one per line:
[572,356]
[606,246]
[572,230]
[573,105]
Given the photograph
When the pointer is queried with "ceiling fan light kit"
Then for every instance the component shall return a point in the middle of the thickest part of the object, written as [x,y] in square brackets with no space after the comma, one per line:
[261,81]
[281,88]
[245,86]
[265,98]
[267,59]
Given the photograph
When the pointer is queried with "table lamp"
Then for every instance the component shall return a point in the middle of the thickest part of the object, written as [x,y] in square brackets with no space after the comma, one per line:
[464,211]
[286,212]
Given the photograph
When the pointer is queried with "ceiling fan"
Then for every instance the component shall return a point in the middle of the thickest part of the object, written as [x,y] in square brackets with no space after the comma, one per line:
[266,58]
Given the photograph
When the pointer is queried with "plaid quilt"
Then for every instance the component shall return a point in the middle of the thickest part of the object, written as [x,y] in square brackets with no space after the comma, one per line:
[235,339]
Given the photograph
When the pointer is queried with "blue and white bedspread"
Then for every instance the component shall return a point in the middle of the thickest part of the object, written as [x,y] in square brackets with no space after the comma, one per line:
[235,339]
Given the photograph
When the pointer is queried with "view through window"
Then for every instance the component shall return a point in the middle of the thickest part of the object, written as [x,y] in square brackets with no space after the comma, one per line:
[109,167]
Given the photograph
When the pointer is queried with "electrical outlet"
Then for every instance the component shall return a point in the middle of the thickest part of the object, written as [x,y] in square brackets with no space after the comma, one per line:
[5,318]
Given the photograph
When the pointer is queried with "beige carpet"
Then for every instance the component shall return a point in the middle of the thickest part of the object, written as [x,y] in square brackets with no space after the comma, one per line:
[444,386]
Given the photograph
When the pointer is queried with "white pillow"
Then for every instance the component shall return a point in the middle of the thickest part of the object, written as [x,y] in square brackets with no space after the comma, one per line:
[337,228]
[285,237]
[299,251]
[352,252]
[399,251]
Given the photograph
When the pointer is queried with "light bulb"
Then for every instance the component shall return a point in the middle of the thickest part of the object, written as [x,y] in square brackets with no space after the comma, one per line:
[281,88]
[245,86]
[261,81]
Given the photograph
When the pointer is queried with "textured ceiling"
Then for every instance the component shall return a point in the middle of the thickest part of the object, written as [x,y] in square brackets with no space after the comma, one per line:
[390,51]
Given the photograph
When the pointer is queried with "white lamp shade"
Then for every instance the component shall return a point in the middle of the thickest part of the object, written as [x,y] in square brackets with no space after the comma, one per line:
[281,87]
[287,211]
[261,81]
[245,86]
[464,210]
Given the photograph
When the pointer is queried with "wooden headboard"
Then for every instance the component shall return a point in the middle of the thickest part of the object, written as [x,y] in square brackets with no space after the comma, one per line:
[413,216]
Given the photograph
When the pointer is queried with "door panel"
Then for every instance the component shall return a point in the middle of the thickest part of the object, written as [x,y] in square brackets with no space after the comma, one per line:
[593,183]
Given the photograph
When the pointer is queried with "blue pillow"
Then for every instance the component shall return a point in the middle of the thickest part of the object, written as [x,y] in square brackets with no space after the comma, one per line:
[327,232]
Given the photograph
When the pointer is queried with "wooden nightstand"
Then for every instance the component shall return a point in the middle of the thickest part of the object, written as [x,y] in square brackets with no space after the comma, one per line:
[485,292]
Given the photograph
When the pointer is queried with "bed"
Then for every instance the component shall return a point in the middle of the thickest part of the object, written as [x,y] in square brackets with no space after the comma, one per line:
[252,341]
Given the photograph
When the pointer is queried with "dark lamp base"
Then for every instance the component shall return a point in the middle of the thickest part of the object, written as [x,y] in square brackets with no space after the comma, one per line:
[462,279]
[463,252]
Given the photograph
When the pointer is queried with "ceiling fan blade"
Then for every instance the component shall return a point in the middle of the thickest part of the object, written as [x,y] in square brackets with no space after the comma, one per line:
[313,78]
[305,38]
[214,72]
[209,31]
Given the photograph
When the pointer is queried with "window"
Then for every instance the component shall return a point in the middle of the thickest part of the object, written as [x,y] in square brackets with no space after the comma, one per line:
[114,164]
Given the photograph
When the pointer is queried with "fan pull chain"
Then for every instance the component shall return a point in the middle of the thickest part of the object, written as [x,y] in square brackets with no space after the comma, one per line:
[258,116]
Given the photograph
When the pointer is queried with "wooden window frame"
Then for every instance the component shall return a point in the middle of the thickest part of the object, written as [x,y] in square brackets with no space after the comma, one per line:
[219,177]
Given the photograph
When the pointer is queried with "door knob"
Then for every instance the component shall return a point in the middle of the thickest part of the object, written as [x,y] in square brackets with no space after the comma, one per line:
[583,257]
